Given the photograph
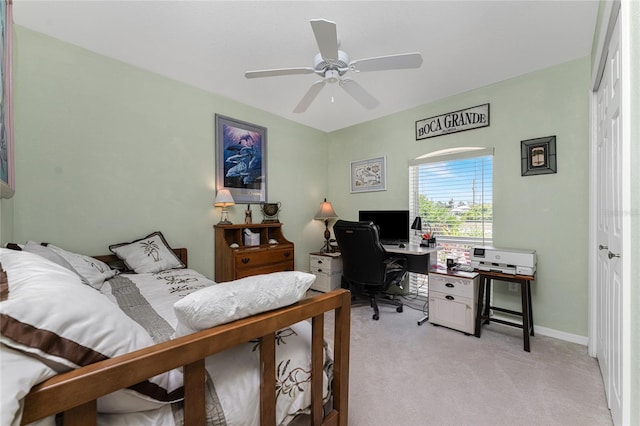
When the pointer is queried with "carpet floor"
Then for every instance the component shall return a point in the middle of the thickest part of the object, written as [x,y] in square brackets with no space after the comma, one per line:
[405,374]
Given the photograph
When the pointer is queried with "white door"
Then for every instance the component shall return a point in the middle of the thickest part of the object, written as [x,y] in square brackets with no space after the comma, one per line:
[609,223]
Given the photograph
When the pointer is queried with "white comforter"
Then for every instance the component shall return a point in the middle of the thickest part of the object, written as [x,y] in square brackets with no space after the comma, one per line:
[234,388]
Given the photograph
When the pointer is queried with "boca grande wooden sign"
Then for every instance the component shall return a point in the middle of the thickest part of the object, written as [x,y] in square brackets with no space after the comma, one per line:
[452,122]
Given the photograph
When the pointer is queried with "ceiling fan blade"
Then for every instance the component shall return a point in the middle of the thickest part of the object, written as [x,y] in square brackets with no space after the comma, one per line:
[391,62]
[358,93]
[326,37]
[309,96]
[278,72]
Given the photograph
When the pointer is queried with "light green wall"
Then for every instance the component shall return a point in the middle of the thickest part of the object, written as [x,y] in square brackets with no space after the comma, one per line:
[6,221]
[548,213]
[106,152]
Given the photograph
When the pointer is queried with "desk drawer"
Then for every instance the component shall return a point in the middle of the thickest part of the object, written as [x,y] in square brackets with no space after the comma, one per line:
[453,312]
[264,269]
[250,259]
[452,285]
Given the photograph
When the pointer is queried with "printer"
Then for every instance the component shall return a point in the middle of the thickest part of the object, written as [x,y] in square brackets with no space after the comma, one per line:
[505,260]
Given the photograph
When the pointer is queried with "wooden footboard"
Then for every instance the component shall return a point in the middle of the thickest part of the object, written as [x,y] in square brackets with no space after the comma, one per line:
[75,393]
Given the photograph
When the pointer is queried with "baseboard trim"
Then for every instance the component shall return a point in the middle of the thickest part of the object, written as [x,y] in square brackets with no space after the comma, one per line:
[557,334]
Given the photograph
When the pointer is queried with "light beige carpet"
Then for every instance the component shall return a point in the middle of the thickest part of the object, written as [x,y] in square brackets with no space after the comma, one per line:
[405,374]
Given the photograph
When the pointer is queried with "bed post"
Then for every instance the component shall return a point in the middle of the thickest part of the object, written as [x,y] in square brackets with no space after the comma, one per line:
[268,380]
[341,363]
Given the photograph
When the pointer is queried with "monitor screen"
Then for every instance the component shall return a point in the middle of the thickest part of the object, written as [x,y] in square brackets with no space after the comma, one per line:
[393,224]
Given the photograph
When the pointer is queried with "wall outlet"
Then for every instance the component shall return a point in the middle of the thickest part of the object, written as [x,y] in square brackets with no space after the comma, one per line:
[513,286]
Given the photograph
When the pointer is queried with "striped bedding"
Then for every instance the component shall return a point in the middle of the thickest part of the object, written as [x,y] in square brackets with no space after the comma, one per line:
[233,384]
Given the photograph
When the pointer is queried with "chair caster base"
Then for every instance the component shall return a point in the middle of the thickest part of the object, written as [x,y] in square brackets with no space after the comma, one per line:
[376,317]
[399,309]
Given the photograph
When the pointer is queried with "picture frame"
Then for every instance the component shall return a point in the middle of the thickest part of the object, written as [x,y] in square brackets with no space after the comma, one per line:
[369,175]
[7,174]
[538,156]
[241,159]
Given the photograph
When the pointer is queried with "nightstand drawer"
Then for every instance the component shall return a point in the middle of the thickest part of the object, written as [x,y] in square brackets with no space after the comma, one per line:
[325,263]
[326,282]
[456,286]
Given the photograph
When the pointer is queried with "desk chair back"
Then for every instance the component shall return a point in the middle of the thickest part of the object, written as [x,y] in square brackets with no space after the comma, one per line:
[362,253]
[366,266]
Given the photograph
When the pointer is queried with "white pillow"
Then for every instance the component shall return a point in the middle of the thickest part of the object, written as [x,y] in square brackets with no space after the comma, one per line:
[90,269]
[48,253]
[47,312]
[148,254]
[229,301]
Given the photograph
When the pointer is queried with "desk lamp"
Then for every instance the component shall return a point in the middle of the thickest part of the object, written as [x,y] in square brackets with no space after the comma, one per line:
[417,226]
[326,212]
[224,199]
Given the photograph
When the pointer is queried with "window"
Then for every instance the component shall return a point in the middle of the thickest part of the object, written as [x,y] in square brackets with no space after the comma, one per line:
[451,191]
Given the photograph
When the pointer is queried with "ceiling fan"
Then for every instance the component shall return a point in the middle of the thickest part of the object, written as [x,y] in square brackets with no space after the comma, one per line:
[332,64]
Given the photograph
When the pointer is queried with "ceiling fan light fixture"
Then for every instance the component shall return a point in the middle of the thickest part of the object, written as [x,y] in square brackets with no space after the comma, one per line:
[332,76]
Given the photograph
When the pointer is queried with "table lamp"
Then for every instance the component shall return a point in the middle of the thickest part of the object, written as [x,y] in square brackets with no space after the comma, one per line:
[326,212]
[224,199]
[417,226]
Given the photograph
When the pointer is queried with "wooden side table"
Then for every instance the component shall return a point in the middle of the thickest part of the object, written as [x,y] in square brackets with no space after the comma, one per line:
[483,312]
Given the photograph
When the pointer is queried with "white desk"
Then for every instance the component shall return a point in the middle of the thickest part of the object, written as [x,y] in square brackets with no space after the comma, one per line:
[409,249]
[419,259]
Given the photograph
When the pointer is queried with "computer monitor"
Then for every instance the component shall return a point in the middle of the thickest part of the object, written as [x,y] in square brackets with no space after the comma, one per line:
[393,225]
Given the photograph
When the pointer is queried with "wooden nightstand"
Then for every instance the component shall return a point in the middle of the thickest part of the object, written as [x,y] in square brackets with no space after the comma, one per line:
[327,267]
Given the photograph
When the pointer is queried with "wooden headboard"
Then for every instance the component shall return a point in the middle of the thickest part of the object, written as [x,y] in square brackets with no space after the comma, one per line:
[180,252]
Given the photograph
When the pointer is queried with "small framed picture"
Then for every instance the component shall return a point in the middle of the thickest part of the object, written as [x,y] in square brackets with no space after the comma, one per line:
[369,175]
[538,156]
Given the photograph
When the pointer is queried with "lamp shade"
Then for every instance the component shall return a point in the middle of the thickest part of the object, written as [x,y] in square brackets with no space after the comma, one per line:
[417,223]
[223,198]
[325,212]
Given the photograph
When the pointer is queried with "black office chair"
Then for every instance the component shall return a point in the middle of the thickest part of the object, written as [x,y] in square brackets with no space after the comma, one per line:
[366,265]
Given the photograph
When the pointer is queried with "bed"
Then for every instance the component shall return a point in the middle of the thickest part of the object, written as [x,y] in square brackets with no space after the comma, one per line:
[169,354]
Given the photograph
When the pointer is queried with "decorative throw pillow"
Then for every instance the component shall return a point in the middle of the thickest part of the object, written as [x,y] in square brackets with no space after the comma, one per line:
[148,254]
[230,301]
[47,312]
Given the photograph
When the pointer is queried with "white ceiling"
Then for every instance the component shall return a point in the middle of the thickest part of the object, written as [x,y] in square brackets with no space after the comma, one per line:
[210,44]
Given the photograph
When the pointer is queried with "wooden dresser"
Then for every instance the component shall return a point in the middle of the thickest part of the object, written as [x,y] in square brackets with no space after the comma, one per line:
[233,262]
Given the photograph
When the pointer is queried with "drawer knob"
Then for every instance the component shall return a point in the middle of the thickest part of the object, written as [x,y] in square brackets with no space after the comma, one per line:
[449,285]
[450,297]
[319,270]
[319,262]
[287,254]
[245,260]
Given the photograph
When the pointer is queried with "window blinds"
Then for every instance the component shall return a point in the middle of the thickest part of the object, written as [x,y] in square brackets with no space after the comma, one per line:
[452,191]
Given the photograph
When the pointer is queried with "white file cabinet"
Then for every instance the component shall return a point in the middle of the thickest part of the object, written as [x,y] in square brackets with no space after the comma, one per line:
[327,267]
[453,298]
